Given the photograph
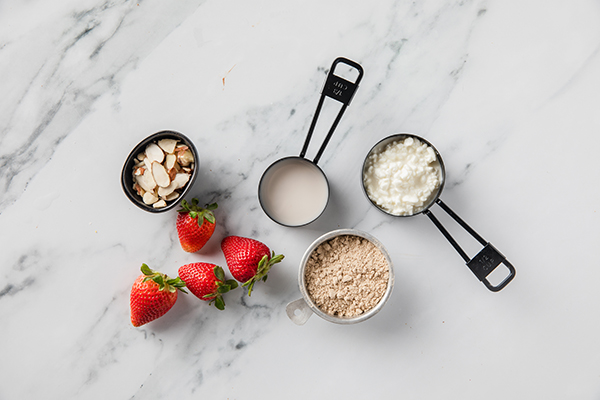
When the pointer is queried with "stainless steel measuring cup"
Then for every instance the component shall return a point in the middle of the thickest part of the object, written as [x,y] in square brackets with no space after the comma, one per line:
[484,262]
[299,311]
[294,191]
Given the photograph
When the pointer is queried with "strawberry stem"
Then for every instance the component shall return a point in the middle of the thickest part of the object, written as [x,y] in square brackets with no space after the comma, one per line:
[264,266]
[199,213]
[162,280]
[223,286]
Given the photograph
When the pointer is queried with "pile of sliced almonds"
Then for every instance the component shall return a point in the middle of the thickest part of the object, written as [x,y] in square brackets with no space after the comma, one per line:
[162,171]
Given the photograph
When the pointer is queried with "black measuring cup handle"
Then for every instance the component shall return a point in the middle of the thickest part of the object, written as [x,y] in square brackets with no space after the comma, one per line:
[485,261]
[339,89]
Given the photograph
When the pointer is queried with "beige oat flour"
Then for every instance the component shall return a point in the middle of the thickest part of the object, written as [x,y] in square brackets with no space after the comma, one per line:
[346,276]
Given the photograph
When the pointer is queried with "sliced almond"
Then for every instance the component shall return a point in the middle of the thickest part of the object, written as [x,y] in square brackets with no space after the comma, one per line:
[159,204]
[138,189]
[160,174]
[139,171]
[172,196]
[146,181]
[181,179]
[180,149]
[148,163]
[141,156]
[168,145]
[150,198]
[154,153]
[172,173]
[165,191]
[170,161]
[185,158]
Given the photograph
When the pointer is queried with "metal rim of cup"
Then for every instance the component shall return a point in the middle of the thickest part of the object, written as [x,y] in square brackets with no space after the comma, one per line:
[127,179]
[345,320]
[397,136]
[260,185]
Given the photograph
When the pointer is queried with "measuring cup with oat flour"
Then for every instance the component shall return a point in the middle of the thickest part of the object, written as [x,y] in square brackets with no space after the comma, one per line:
[299,311]
[294,191]
[403,175]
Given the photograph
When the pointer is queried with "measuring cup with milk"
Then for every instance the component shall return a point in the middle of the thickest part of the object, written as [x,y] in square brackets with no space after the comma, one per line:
[294,191]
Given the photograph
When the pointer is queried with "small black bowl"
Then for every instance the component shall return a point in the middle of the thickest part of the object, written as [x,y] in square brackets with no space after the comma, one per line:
[127,172]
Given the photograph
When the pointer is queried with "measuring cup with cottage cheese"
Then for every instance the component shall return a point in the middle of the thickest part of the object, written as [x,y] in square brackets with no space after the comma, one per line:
[403,175]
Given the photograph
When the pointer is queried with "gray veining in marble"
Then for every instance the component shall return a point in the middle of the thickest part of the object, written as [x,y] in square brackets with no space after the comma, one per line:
[508,92]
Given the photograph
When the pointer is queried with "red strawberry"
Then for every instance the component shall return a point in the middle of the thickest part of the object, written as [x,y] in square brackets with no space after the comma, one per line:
[249,260]
[152,295]
[195,225]
[207,282]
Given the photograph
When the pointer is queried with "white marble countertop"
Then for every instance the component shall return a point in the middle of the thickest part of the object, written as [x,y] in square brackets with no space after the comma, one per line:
[508,92]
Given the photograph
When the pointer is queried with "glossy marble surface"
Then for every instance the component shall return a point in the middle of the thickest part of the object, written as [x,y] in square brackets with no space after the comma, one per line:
[507,91]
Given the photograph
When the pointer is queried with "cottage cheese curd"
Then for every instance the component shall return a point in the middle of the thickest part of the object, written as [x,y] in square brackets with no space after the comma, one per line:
[403,176]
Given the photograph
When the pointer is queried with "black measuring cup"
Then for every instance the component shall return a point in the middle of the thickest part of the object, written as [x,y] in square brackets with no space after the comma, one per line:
[484,262]
[294,191]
